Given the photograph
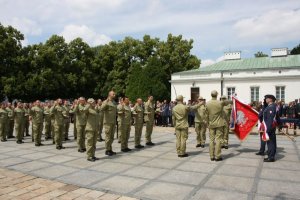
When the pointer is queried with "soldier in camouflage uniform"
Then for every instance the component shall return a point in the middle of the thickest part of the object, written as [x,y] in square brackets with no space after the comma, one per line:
[91,129]
[227,112]
[59,115]
[47,120]
[124,116]
[149,112]
[10,129]
[109,109]
[19,118]
[37,115]
[138,113]
[3,122]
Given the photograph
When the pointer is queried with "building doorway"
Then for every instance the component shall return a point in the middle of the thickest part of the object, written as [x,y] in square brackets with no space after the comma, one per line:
[195,91]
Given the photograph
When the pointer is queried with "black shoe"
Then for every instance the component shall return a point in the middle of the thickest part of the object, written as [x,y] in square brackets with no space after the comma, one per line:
[198,145]
[9,137]
[202,146]
[219,159]
[183,156]
[3,140]
[119,142]
[58,148]
[20,142]
[67,139]
[41,144]
[84,149]
[128,149]
[212,159]
[27,135]
[124,150]
[150,143]
[225,147]
[80,150]
[62,147]
[260,153]
[95,158]
[91,159]
[269,160]
[139,146]
[110,153]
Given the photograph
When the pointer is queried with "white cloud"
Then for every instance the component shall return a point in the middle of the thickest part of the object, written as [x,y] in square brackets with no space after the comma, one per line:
[276,26]
[71,32]
[26,26]
[208,62]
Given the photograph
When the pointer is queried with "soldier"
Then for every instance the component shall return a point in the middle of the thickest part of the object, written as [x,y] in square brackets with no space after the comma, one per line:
[27,121]
[110,111]
[19,119]
[227,112]
[270,116]
[201,123]
[180,122]
[149,119]
[47,120]
[74,119]
[59,115]
[80,114]
[124,115]
[216,125]
[67,120]
[10,111]
[3,122]
[138,113]
[91,129]
[119,120]
[101,118]
[37,115]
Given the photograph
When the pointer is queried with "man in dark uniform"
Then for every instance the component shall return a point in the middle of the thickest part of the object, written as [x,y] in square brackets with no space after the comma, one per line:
[261,130]
[270,119]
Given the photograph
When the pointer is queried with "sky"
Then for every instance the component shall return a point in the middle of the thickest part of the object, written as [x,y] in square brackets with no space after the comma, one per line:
[216,26]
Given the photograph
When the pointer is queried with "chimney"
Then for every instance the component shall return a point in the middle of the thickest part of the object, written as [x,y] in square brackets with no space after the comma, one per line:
[235,55]
[277,52]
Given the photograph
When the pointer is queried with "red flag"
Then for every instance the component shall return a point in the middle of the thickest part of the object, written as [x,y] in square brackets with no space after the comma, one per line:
[244,118]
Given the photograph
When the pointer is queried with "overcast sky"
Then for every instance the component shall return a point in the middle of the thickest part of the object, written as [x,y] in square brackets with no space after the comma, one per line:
[214,25]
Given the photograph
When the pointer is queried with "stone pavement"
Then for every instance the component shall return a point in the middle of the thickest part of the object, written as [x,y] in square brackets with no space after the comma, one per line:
[157,173]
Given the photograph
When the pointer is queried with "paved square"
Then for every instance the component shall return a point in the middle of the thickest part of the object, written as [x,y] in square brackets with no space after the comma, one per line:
[150,173]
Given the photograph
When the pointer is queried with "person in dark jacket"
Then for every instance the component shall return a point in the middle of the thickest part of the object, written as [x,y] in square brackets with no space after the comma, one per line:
[269,118]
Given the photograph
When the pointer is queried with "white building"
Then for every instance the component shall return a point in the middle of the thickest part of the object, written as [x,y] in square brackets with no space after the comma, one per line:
[249,78]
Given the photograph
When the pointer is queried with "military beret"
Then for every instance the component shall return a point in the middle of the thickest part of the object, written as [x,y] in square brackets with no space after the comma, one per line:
[270,96]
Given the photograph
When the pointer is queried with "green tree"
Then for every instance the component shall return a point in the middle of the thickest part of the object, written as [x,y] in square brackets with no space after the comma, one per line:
[260,54]
[296,50]
[10,48]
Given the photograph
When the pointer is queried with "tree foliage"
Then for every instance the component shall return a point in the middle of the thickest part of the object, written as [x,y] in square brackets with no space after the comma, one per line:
[131,67]
[296,50]
[260,54]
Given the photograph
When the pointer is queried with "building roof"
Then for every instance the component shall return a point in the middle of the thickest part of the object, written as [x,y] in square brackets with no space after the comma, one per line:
[248,64]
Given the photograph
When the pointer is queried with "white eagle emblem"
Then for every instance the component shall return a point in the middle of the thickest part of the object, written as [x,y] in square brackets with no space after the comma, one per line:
[240,118]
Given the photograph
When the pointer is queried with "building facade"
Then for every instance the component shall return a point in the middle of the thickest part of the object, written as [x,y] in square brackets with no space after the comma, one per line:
[249,78]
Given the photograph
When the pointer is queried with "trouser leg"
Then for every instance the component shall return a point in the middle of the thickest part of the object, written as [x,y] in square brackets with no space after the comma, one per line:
[149,129]
[109,136]
[138,134]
